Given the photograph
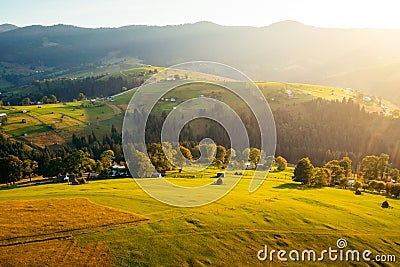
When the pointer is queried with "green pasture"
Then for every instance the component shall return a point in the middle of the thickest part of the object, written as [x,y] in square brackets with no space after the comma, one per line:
[281,214]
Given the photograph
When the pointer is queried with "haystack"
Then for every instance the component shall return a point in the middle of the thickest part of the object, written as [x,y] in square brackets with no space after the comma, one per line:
[385,204]
[218,181]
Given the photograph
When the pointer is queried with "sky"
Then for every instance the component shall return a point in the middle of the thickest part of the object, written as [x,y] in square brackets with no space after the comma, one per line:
[116,13]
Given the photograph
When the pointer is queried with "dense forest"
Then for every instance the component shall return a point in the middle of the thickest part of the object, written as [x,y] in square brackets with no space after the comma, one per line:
[68,89]
[319,129]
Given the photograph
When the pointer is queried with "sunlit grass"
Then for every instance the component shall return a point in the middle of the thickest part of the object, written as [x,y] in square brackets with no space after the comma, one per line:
[281,214]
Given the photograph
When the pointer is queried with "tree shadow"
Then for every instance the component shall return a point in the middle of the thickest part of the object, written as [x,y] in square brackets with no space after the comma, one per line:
[295,186]
[8,187]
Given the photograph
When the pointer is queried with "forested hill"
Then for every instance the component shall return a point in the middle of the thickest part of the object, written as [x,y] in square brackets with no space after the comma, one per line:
[365,59]
[319,129]
[324,130]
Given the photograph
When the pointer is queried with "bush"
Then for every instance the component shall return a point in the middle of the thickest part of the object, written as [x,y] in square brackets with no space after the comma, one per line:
[388,188]
[395,190]
[357,185]
[379,186]
[281,163]
[372,185]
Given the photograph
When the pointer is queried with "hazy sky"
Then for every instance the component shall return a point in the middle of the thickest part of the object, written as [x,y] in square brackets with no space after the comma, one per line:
[109,13]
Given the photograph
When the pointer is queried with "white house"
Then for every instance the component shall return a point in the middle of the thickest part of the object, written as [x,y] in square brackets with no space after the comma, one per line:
[3,115]
[367,99]
[247,166]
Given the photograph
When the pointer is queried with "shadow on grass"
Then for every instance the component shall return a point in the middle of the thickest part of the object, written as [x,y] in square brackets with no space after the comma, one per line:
[382,193]
[8,187]
[295,186]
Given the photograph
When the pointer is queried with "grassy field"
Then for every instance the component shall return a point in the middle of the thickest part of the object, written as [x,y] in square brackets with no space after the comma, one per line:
[229,232]
[59,121]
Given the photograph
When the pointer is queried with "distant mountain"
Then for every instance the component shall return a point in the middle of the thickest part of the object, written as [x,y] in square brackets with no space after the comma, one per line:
[7,27]
[366,59]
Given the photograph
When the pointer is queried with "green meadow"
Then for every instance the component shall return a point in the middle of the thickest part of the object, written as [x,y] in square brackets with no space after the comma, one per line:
[229,232]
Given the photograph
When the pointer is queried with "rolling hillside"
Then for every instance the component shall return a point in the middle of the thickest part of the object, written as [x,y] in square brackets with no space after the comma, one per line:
[50,124]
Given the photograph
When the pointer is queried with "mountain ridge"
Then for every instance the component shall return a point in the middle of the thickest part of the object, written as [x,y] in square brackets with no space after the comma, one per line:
[287,51]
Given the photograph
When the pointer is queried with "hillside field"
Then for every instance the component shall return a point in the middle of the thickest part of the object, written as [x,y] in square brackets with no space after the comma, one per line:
[281,214]
[52,124]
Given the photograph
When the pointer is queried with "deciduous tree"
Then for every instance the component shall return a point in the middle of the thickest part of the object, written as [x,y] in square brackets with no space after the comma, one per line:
[303,171]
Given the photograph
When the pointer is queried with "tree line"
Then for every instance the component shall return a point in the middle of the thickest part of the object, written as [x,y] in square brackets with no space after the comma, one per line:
[319,129]
[92,154]
[68,89]
[374,173]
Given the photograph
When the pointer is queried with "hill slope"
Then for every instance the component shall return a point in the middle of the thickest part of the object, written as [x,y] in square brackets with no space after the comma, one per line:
[7,27]
[286,51]
[281,215]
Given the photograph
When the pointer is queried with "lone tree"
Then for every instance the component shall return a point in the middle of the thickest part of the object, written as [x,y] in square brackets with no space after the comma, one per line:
[395,174]
[254,156]
[303,171]
[107,159]
[11,169]
[321,177]
[281,163]
[230,154]
[78,162]
[52,99]
[180,159]
[26,101]
[81,97]
[337,171]
[346,164]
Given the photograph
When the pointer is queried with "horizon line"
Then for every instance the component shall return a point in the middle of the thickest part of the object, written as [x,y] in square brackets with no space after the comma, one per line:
[294,22]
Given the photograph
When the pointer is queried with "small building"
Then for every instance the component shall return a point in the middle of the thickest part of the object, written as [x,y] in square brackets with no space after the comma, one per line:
[118,171]
[156,175]
[23,121]
[72,179]
[62,179]
[3,115]
[367,99]
[247,166]
[220,174]
[24,111]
